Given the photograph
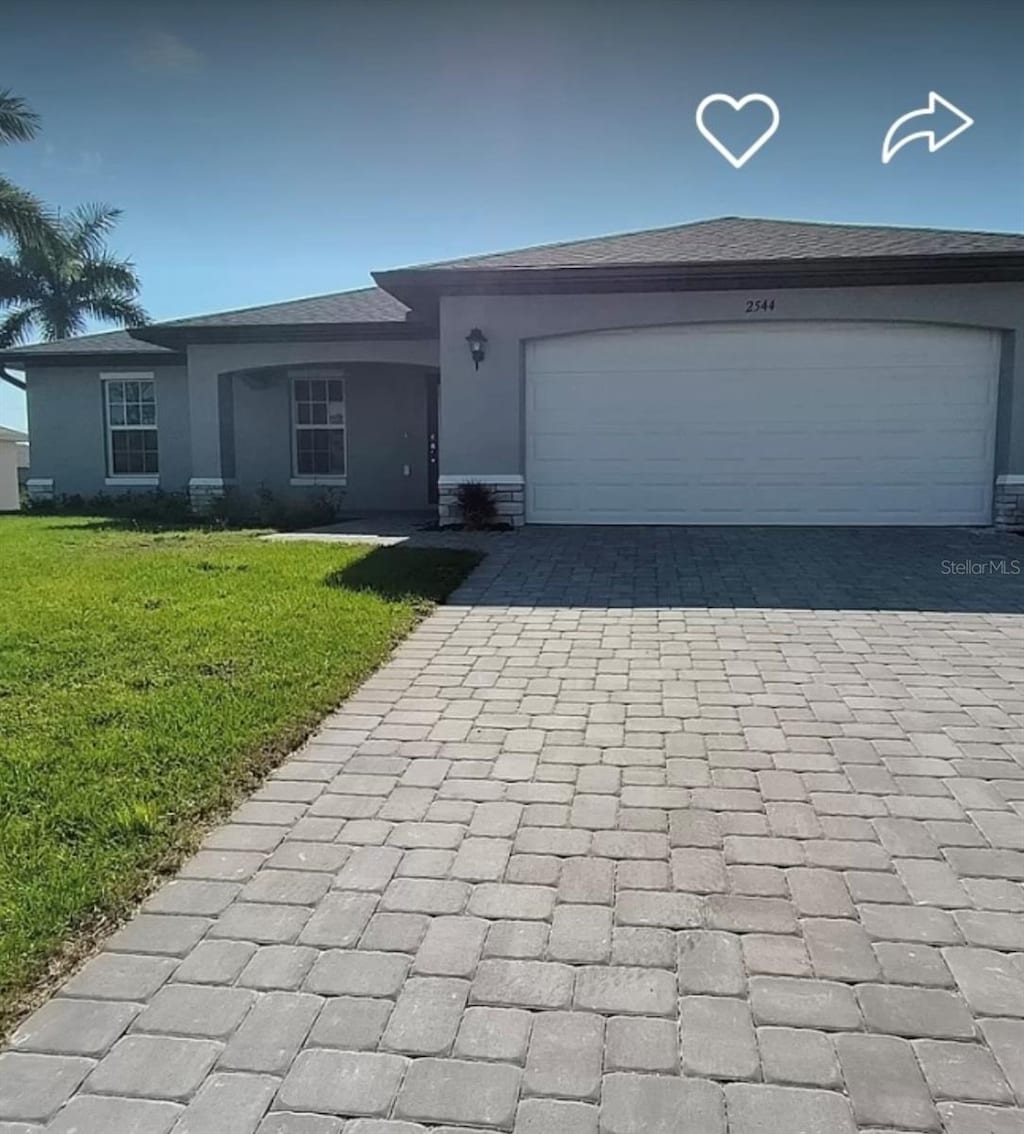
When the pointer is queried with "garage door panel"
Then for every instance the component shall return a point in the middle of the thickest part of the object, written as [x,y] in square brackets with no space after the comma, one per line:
[560,499]
[710,398]
[797,423]
[840,385]
[962,448]
[556,448]
[718,347]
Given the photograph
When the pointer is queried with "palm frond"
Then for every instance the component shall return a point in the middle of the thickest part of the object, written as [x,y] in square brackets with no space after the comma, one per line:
[114,309]
[67,277]
[108,276]
[16,284]
[17,326]
[18,122]
[61,320]
[45,258]
[87,226]
[23,217]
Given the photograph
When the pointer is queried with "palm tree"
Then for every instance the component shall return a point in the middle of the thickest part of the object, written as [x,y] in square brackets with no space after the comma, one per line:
[54,285]
[22,216]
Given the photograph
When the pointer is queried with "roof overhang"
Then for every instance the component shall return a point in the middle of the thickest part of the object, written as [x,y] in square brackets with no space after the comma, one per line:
[420,288]
[111,360]
[178,338]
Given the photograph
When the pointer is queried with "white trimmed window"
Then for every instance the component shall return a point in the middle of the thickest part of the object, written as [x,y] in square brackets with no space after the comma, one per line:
[318,419]
[130,407]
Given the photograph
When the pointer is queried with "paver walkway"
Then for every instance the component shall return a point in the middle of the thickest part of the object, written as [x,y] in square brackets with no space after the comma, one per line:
[652,832]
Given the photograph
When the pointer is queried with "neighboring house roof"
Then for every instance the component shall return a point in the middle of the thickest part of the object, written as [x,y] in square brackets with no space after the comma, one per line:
[114,345]
[7,434]
[738,239]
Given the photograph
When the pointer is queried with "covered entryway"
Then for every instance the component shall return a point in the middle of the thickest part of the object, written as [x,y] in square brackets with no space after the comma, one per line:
[795,423]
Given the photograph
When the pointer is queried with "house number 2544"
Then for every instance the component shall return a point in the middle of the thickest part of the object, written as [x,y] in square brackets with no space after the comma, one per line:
[756,305]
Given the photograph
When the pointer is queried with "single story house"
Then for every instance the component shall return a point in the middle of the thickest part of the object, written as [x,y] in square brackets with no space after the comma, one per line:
[13,458]
[728,371]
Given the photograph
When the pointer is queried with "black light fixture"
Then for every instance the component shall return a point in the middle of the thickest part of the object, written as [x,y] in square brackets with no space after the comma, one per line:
[477,342]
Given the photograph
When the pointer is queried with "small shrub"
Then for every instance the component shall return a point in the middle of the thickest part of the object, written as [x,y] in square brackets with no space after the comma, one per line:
[232,509]
[265,510]
[477,504]
[37,506]
[229,510]
[314,511]
[157,507]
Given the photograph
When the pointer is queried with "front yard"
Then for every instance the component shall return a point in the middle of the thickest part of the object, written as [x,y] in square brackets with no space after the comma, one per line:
[146,679]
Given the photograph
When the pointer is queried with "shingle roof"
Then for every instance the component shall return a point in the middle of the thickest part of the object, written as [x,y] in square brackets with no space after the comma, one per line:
[721,241]
[109,342]
[366,305]
[738,239]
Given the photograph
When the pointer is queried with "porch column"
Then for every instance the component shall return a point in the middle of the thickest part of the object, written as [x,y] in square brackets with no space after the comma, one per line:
[211,430]
[481,411]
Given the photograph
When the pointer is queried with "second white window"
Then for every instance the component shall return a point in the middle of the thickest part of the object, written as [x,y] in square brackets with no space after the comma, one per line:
[318,416]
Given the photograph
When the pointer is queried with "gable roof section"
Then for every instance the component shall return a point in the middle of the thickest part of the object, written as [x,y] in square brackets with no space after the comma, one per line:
[115,347]
[367,312]
[7,434]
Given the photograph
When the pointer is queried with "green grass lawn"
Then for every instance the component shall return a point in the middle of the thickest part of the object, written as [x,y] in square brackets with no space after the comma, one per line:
[145,680]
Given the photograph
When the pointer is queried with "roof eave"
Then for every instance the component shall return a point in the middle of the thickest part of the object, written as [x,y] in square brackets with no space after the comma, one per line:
[112,359]
[419,288]
[178,338]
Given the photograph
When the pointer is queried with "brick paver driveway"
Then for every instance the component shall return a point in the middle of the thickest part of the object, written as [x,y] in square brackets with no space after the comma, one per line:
[649,832]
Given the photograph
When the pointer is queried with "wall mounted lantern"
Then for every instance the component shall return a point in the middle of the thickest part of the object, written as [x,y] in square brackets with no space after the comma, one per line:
[477,342]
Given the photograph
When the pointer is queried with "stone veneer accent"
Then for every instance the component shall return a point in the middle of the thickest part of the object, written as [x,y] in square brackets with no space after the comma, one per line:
[39,489]
[508,494]
[203,490]
[1008,505]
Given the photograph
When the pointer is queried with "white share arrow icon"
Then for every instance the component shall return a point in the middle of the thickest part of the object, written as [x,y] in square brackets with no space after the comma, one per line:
[935,101]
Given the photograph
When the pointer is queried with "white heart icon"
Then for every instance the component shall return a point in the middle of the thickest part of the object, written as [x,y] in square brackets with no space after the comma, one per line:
[738,104]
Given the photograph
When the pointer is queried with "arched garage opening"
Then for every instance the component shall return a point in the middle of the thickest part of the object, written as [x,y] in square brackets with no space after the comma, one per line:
[788,423]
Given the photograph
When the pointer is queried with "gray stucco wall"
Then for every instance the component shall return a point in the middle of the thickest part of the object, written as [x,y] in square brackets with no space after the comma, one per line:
[213,424]
[67,427]
[206,363]
[481,411]
[481,426]
[386,413]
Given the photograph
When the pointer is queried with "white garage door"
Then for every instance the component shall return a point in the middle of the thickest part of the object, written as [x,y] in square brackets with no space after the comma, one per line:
[802,423]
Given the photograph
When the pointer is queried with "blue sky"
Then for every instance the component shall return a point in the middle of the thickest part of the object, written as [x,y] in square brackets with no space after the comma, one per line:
[263,151]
